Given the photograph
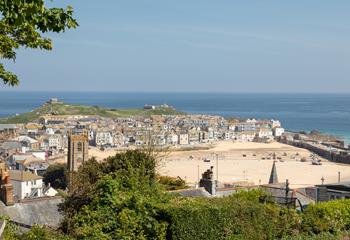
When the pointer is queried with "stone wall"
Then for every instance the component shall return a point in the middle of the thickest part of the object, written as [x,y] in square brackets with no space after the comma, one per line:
[331,156]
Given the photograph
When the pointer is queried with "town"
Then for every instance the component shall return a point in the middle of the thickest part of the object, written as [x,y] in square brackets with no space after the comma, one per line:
[28,149]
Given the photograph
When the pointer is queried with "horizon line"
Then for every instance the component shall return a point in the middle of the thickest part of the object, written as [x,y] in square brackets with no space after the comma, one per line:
[159,91]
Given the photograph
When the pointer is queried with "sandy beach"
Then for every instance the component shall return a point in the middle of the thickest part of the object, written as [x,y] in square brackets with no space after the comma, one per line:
[244,162]
[248,161]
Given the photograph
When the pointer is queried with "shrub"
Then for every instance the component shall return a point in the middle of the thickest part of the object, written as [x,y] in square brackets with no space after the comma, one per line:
[330,217]
[171,183]
[56,176]
[234,217]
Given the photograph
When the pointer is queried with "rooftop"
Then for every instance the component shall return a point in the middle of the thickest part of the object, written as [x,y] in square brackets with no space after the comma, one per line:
[7,126]
[18,175]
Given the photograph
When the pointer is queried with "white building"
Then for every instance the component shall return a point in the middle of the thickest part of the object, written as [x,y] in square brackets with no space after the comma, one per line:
[52,142]
[50,131]
[28,143]
[172,139]
[26,184]
[49,191]
[278,131]
[183,139]
[103,138]
[275,124]
[265,133]
[251,120]
[246,126]
[245,136]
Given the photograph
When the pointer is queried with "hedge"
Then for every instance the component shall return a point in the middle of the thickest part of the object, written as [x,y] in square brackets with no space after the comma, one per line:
[235,217]
[241,216]
[330,217]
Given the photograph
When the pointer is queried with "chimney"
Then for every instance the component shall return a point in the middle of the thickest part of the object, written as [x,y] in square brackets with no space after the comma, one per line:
[7,194]
[6,189]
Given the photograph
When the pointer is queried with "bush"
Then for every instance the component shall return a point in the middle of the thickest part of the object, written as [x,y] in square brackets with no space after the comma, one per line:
[56,176]
[12,232]
[234,217]
[322,236]
[330,217]
[122,198]
[171,183]
[116,199]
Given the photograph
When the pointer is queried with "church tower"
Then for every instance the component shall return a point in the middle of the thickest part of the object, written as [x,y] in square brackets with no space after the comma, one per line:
[78,146]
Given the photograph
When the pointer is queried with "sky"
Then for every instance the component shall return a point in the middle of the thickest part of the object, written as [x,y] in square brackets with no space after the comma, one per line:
[195,46]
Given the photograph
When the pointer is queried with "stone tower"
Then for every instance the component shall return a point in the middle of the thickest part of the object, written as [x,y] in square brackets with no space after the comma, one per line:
[273,176]
[78,146]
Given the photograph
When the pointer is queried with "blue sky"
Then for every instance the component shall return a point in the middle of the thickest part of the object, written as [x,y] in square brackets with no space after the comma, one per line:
[196,45]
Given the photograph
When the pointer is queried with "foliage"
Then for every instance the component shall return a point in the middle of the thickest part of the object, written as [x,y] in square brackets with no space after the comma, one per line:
[22,23]
[234,217]
[321,236]
[56,176]
[42,233]
[116,199]
[171,183]
[331,217]
[11,232]
[117,212]
[122,198]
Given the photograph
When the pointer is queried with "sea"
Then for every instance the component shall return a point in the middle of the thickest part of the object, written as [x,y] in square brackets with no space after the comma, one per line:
[327,113]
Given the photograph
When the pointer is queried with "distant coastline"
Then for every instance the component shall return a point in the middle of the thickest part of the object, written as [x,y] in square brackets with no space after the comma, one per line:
[327,113]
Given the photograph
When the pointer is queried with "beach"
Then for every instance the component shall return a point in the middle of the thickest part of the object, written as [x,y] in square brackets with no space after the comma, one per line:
[249,162]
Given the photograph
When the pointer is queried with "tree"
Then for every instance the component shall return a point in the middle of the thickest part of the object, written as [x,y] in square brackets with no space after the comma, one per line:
[56,176]
[116,199]
[22,23]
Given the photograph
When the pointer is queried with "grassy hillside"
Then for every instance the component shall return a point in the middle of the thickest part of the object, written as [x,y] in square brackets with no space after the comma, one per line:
[69,109]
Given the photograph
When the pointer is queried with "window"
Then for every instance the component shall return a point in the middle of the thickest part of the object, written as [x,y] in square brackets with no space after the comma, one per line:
[79,146]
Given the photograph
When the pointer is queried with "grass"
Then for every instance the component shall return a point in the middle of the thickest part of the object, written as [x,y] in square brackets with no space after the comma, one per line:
[70,109]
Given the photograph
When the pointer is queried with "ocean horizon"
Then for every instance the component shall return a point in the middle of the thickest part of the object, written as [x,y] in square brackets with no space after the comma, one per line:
[328,113]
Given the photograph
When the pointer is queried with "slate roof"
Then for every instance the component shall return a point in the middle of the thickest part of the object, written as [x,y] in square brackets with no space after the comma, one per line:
[192,192]
[10,145]
[7,126]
